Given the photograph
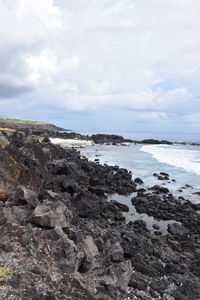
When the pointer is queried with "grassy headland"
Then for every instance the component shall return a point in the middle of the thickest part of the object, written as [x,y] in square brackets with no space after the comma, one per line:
[18,121]
[19,124]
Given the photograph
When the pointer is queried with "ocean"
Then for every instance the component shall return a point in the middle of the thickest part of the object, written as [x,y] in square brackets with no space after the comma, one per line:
[181,162]
[142,135]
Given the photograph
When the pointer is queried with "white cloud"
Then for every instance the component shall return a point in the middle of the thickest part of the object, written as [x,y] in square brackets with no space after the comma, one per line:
[82,55]
[41,67]
[45,11]
[70,63]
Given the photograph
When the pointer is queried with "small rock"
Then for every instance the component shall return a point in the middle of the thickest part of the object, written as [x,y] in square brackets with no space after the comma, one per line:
[158,232]
[122,206]
[156,226]
[90,247]
[138,180]
[164,174]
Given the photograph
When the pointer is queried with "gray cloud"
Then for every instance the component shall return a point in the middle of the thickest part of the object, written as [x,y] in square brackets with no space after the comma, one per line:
[131,55]
[11,91]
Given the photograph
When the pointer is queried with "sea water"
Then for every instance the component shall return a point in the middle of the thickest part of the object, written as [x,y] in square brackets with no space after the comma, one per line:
[181,162]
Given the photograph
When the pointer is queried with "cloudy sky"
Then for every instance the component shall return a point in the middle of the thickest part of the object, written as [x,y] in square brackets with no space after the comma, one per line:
[102,65]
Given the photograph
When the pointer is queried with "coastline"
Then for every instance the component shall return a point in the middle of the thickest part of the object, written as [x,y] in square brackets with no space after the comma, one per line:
[70,143]
[68,239]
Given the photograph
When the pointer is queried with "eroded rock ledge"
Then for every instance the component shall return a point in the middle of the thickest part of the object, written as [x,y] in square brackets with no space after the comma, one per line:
[61,239]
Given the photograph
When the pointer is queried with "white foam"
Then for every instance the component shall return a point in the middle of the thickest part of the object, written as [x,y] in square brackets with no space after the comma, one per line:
[186,159]
[69,143]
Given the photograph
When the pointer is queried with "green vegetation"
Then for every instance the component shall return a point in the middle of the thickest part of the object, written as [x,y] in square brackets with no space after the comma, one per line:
[43,135]
[5,273]
[31,139]
[18,121]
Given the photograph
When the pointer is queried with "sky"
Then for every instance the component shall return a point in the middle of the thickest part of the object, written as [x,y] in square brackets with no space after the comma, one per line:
[102,65]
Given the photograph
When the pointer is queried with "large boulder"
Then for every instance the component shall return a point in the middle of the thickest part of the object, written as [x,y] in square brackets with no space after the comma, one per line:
[22,195]
[51,214]
[87,205]
[116,279]
[91,253]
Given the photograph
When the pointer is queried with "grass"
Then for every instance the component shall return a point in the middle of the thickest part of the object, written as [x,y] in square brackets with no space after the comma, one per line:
[5,273]
[18,121]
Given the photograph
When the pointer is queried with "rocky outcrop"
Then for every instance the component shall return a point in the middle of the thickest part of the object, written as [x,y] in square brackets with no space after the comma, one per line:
[60,201]
[109,138]
[60,237]
[155,142]
[52,214]
[9,174]
[166,207]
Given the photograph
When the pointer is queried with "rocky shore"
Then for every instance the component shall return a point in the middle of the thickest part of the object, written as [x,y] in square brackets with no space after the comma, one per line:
[62,239]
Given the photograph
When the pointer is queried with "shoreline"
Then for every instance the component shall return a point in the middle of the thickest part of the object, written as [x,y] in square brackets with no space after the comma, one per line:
[61,221]
[53,131]
[70,143]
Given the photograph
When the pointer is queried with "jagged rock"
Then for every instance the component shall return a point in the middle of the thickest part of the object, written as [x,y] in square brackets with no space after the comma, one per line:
[177,229]
[117,252]
[156,226]
[121,206]
[90,247]
[87,205]
[21,214]
[51,215]
[117,279]
[9,174]
[138,180]
[109,138]
[91,252]
[155,142]
[68,254]
[139,281]
[159,189]
[22,194]
[3,219]
[164,174]
[61,237]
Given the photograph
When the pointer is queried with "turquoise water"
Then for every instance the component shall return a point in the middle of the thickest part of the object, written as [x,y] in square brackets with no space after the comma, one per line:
[182,163]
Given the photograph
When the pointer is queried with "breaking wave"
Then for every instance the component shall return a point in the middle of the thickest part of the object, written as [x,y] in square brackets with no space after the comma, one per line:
[186,159]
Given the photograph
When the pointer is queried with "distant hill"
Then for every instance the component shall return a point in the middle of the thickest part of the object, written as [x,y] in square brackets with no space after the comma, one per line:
[29,125]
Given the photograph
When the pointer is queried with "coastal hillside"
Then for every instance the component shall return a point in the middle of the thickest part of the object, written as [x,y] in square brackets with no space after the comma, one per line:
[64,236]
[28,125]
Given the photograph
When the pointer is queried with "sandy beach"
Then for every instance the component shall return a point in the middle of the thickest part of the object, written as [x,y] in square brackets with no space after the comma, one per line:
[70,143]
